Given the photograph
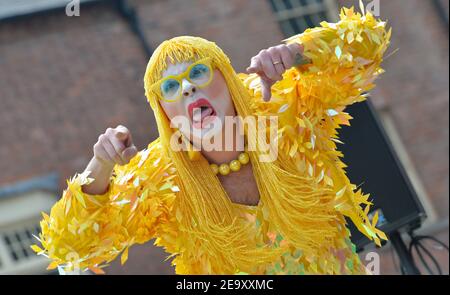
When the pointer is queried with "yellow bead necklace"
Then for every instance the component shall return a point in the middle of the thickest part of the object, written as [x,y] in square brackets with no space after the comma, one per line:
[233,166]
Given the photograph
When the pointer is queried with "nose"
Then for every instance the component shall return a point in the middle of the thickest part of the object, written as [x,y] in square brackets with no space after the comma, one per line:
[188,89]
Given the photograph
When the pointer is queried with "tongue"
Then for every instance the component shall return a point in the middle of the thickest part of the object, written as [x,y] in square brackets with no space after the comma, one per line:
[206,112]
[202,113]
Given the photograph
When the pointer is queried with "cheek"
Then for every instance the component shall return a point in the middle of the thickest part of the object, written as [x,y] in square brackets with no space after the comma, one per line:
[217,87]
[219,95]
[173,109]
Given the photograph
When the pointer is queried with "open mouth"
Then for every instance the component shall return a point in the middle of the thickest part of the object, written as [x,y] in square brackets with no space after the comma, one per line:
[201,113]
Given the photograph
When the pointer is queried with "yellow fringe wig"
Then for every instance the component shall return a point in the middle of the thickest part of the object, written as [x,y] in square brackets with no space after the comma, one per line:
[208,218]
[174,196]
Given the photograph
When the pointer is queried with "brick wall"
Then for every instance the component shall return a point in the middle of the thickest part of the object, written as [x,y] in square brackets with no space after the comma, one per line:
[63,81]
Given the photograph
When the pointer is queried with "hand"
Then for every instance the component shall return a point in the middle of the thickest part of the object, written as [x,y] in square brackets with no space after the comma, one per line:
[271,63]
[115,146]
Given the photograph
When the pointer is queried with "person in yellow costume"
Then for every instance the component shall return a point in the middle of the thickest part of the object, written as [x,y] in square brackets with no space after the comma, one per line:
[229,212]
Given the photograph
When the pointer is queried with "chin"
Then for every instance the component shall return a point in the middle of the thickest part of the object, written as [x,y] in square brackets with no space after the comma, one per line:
[213,127]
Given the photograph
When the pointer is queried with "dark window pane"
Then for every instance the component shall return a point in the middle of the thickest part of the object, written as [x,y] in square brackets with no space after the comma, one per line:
[295,27]
[323,16]
[301,23]
[274,7]
[304,2]
[309,21]
[287,28]
[25,252]
[28,233]
[7,240]
[14,256]
[287,4]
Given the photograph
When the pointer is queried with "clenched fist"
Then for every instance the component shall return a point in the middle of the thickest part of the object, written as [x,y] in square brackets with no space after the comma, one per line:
[115,146]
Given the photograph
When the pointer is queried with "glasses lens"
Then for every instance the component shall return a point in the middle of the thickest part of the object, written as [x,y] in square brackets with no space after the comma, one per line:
[170,88]
[200,74]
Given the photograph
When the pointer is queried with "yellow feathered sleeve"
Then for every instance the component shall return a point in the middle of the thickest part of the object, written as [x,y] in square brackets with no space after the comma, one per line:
[85,231]
[343,61]
[340,64]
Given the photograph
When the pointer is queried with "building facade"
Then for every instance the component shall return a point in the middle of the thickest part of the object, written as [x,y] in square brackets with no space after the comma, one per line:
[64,80]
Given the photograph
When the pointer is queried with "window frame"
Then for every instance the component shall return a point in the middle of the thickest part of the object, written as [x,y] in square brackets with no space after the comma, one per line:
[300,11]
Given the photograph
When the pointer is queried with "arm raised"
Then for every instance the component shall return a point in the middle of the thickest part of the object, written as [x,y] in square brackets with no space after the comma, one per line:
[85,231]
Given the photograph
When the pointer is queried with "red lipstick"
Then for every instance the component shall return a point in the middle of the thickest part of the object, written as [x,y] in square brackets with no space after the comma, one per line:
[201,112]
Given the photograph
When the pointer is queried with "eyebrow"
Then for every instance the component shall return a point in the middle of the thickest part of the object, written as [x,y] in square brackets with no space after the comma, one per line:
[179,68]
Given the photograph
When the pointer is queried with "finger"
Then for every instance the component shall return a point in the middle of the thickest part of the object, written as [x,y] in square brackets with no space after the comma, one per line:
[261,73]
[109,148]
[100,153]
[118,145]
[123,134]
[115,137]
[255,66]
[266,89]
[286,57]
[268,67]
[277,61]
[129,153]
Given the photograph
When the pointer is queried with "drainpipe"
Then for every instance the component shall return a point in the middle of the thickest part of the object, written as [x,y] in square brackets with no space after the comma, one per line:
[128,12]
[440,9]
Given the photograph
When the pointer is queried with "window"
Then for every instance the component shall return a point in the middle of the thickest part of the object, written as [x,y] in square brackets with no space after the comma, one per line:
[18,241]
[21,205]
[16,256]
[295,16]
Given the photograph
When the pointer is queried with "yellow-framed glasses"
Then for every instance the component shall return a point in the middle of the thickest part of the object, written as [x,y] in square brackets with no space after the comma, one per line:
[199,74]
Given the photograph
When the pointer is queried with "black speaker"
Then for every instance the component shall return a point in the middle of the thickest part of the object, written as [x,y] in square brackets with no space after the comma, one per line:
[374,166]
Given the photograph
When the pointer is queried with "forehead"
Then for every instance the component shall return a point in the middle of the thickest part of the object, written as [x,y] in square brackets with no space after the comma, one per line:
[176,68]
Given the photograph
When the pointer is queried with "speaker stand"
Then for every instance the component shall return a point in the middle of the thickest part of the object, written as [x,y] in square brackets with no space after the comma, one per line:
[406,260]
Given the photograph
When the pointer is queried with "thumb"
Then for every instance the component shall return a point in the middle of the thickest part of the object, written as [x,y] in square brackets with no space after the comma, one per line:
[129,153]
[121,135]
[124,137]
[266,89]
